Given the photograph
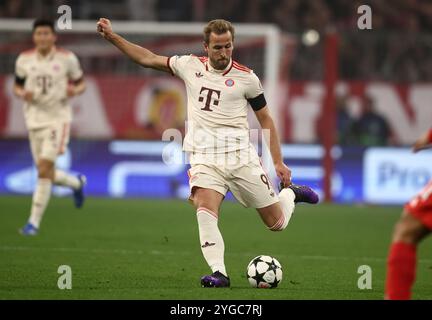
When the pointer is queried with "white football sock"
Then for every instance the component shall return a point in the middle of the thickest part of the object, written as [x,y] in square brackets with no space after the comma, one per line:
[64,179]
[41,197]
[212,244]
[286,198]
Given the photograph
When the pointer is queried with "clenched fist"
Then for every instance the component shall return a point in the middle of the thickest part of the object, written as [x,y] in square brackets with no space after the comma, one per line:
[104,28]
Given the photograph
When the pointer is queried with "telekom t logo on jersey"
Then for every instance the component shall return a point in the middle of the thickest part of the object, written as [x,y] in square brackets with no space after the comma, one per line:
[209,98]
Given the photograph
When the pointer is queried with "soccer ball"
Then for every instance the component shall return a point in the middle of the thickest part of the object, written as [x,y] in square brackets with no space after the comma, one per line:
[264,272]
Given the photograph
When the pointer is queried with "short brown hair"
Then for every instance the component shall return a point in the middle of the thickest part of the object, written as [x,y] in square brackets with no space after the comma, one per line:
[218,26]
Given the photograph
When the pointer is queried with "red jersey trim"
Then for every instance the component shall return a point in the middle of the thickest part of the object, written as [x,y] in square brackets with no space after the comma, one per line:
[229,69]
[203,59]
[241,67]
[169,67]
[247,71]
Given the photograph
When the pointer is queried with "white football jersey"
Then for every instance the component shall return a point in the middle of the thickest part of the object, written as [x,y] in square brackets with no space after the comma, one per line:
[217,103]
[47,77]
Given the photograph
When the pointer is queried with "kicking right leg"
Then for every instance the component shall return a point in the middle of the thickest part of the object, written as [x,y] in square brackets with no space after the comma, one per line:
[277,216]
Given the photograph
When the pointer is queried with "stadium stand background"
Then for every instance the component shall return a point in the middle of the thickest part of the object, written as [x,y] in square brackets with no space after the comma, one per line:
[398,50]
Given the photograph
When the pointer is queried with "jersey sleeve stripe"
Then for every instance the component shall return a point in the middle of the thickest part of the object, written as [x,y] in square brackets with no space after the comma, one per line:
[241,67]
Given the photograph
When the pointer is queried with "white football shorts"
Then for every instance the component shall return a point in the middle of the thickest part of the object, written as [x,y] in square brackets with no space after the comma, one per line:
[247,181]
[49,142]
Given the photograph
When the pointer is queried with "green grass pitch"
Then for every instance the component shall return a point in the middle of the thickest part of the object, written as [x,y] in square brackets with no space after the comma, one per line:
[149,249]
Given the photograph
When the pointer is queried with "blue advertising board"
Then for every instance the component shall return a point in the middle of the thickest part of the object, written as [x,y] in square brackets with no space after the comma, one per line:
[145,169]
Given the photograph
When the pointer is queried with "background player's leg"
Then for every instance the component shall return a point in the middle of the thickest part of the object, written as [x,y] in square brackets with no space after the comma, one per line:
[207,203]
[75,182]
[61,177]
[277,215]
[42,192]
[401,262]
[64,179]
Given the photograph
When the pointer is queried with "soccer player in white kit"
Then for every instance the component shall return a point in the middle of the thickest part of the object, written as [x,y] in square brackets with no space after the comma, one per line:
[45,78]
[219,92]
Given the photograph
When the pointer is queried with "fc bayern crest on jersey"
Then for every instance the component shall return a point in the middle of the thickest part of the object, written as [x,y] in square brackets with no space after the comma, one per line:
[229,82]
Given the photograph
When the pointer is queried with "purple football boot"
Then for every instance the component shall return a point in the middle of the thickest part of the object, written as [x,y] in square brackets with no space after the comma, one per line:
[215,280]
[302,193]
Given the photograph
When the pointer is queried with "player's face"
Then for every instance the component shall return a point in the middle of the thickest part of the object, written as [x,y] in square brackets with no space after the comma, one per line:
[44,38]
[219,49]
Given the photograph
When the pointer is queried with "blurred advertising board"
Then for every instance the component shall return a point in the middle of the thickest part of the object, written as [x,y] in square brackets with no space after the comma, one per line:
[123,168]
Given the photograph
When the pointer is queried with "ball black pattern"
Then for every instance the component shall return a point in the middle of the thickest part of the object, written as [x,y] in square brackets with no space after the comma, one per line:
[264,272]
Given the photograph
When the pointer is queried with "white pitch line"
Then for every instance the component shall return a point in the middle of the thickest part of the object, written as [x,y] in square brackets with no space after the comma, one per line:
[158,252]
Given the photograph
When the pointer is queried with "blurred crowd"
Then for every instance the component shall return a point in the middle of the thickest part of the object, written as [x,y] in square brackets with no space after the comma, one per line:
[290,15]
[370,128]
[397,49]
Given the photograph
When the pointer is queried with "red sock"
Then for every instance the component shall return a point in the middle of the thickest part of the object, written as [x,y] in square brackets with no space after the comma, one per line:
[401,267]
